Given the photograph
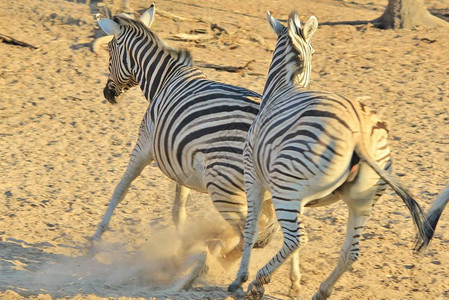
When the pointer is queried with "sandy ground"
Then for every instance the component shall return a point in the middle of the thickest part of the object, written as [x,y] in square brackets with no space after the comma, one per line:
[63,149]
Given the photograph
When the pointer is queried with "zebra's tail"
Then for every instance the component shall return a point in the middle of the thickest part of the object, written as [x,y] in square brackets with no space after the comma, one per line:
[435,211]
[424,228]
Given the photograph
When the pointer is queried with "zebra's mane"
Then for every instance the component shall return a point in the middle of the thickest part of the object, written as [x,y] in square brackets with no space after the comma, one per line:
[294,65]
[182,55]
[291,60]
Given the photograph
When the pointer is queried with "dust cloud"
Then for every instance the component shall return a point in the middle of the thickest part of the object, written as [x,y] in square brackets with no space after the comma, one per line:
[161,265]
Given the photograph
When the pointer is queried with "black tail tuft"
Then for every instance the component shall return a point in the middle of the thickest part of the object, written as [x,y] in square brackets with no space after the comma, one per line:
[423,226]
[434,214]
[432,224]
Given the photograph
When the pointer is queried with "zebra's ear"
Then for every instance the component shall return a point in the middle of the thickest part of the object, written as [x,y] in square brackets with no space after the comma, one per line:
[310,27]
[294,25]
[108,26]
[147,17]
[275,24]
[293,20]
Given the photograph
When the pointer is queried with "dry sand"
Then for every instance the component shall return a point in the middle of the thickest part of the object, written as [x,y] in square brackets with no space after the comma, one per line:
[63,149]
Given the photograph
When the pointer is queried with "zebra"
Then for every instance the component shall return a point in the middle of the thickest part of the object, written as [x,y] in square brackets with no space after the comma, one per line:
[308,149]
[194,128]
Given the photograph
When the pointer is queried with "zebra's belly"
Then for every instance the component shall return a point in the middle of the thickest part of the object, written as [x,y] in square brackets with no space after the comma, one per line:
[190,175]
[329,199]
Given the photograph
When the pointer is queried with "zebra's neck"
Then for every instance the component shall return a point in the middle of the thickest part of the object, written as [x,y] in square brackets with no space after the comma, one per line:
[286,69]
[155,64]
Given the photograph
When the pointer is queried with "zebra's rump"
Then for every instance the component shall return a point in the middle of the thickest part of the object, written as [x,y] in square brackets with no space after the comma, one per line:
[312,136]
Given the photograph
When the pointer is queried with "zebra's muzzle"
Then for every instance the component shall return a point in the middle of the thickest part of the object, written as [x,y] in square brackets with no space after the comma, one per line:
[109,93]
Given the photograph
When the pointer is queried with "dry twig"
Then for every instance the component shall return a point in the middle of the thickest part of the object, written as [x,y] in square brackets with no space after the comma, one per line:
[10,40]
[191,37]
[231,69]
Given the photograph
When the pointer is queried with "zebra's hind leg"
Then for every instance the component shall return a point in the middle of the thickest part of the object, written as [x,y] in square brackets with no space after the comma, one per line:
[295,273]
[141,156]
[226,247]
[231,204]
[288,213]
[360,196]
[179,207]
[255,202]
[349,252]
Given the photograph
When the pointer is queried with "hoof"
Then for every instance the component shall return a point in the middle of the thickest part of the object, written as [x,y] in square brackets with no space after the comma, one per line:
[95,239]
[235,288]
[294,292]
[319,296]
[255,292]
[91,245]
[323,293]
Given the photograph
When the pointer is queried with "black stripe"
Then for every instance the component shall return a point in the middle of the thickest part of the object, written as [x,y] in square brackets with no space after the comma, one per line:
[324,114]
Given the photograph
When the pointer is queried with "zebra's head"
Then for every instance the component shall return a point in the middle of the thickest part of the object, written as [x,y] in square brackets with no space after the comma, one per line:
[120,77]
[297,48]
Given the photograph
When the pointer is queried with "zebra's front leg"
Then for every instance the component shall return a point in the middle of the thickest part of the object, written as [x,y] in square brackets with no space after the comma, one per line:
[255,194]
[141,156]
[349,252]
[231,204]
[179,207]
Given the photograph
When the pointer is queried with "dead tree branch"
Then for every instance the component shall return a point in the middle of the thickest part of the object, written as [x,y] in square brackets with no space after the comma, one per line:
[231,69]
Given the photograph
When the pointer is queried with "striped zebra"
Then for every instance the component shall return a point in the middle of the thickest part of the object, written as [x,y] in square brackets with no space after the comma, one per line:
[194,128]
[308,149]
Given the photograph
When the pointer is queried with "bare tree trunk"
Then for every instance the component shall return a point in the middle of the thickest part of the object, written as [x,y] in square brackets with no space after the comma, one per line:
[408,14]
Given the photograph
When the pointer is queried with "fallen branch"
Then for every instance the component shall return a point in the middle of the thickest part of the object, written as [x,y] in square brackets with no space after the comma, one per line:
[185,37]
[75,98]
[10,40]
[231,69]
